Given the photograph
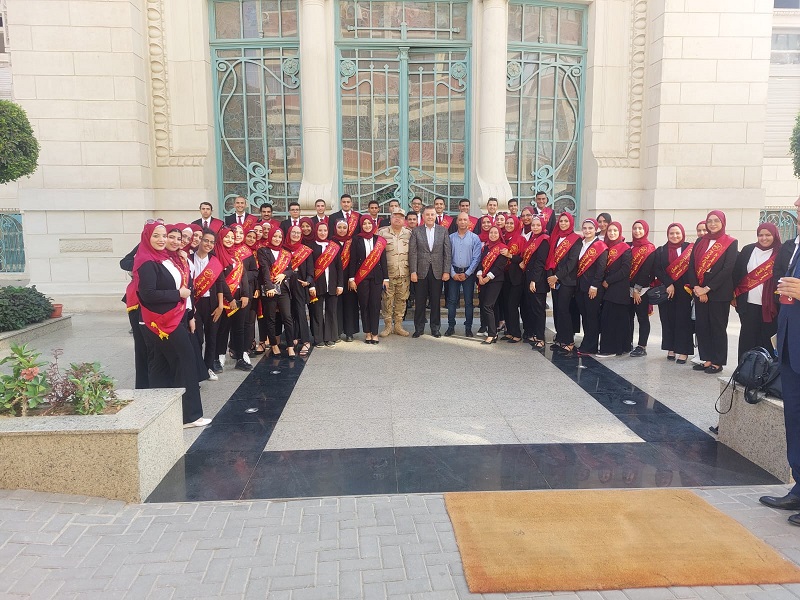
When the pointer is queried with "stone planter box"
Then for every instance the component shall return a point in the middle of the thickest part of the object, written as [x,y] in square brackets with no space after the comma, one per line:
[122,456]
[756,431]
[32,332]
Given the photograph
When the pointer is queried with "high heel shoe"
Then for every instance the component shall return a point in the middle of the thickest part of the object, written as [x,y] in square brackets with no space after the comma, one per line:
[488,341]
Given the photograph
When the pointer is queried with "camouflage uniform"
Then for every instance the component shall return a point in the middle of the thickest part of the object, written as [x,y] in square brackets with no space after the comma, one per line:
[394,300]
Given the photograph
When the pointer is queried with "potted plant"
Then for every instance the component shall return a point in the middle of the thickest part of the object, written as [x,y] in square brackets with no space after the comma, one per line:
[57,308]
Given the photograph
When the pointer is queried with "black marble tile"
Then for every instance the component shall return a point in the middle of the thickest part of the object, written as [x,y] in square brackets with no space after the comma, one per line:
[436,469]
[312,473]
[233,437]
[206,476]
[236,411]
[597,466]
[662,427]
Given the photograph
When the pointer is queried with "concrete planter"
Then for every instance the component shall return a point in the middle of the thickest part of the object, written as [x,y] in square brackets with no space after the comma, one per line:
[32,332]
[122,456]
[756,431]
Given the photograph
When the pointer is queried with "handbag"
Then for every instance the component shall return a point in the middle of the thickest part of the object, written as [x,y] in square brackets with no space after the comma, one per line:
[759,373]
[657,295]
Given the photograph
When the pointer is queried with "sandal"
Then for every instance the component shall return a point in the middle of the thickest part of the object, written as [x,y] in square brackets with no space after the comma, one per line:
[305,349]
[539,344]
[258,349]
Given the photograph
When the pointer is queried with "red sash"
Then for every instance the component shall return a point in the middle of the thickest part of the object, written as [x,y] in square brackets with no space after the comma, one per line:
[352,223]
[214,224]
[532,246]
[241,252]
[299,255]
[204,281]
[544,215]
[614,253]
[249,222]
[346,253]
[711,256]
[678,267]
[325,259]
[446,221]
[164,324]
[473,221]
[564,247]
[233,281]
[281,263]
[756,277]
[490,257]
[640,254]
[372,259]
[592,254]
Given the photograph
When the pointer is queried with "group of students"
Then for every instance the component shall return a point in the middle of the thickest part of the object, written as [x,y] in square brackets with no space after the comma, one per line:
[201,291]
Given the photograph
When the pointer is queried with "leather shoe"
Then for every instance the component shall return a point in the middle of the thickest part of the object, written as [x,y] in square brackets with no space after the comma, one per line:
[468,332]
[450,331]
[795,520]
[348,338]
[436,334]
[416,334]
[787,502]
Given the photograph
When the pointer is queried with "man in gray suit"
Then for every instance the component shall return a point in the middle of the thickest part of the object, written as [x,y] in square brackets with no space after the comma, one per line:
[429,259]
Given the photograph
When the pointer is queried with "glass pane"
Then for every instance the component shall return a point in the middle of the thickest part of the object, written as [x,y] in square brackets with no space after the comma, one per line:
[459,23]
[270,18]
[571,27]
[289,18]
[549,25]
[514,23]
[228,20]
[250,19]
[530,24]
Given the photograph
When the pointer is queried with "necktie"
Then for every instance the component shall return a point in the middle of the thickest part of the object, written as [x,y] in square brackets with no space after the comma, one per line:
[205,224]
[294,222]
[240,220]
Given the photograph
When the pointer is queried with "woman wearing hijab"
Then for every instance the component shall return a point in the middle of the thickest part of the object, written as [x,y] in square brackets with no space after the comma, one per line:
[671,268]
[615,335]
[307,229]
[274,275]
[486,225]
[701,229]
[162,288]
[592,260]
[208,298]
[513,282]
[534,257]
[302,281]
[642,259]
[754,295]
[711,280]
[236,293]
[562,268]
[368,276]
[490,277]
[254,305]
[347,304]
[328,286]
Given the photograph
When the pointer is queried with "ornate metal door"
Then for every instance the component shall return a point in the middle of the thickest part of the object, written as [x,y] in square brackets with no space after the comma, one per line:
[403,124]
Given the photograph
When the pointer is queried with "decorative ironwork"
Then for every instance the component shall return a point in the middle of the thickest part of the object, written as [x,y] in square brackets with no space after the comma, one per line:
[254,19]
[784,219]
[259,130]
[439,20]
[12,247]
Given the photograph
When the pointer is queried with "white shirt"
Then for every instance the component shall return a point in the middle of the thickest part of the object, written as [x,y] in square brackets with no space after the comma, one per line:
[198,265]
[429,233]
[585,246]
[324,245]
[757,258]
[176,275]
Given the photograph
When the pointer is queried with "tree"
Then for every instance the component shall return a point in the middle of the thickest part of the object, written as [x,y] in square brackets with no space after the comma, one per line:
[19,150]
[794,146]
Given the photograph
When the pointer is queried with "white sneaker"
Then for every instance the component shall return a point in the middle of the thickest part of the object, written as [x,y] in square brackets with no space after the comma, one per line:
[246,358]
[201,422]
[212,376]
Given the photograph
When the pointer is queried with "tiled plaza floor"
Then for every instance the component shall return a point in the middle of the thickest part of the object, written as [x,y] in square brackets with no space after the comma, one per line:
[368,437]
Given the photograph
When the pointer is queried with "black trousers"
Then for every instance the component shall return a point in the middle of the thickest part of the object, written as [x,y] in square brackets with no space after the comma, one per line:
[206,330]
[615,334]
[323,318]
[711,322]
[641,313]
[512,295]
[537,307]
[140,358]
[429,290]
[347,317]
[526,312]
[231,328]
[563,298]
[754,331]
[274,306]
[790,380]
[490,293]
[369,303]
[251,316]
[302,331]
[173,364]
[590,317]
[677,327]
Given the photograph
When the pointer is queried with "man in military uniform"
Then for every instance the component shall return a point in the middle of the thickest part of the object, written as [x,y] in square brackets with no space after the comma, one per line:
[397,236]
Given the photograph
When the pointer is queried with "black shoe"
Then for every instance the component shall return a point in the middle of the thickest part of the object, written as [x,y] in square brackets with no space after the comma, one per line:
[787,502]
[795,520]
[416,334]
[712,370]
[243,366]
[450,331]
[348,338]
[714,429]
[638,351]
[468,332]
[699,367]
[374,341]
[319,345]
[330,344]
[482,330]
[436,333]
[217,368]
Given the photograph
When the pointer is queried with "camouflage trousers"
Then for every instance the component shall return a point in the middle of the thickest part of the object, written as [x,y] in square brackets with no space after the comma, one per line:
[394,300]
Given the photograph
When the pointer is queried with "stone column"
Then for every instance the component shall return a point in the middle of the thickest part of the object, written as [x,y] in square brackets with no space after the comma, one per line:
[315,95]
[491,173]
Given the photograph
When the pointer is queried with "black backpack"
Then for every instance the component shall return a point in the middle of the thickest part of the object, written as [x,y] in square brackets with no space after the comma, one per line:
[759,373]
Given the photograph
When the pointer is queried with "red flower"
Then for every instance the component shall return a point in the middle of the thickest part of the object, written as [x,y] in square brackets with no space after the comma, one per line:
[29,374]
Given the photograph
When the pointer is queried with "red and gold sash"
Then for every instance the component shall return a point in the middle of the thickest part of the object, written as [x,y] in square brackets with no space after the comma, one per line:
[249,222]
[614,253]
[756,277]
[711,256]
[564,247]
[473,221]
[281,263]
[372,259]
[346,253]
[164,324]
[352,223]
[214,224]
[592,253]
[325,259]
[241,252]
[299,255]
[446,221]
[678,267]
[233,281]
[532,246]
[491,256]
[207,277]
[544,215]
[639,255]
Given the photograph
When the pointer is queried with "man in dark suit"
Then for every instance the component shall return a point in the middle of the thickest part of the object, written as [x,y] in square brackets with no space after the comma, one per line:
[320,216]
[240,213]
[206,221]
[294,218]
[345,214]
[429,261]
[789,353]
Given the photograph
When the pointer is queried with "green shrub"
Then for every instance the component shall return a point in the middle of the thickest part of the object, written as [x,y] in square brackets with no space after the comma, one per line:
[22,306]
[794,146]
[19,150]
[27,386]
[93,388]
